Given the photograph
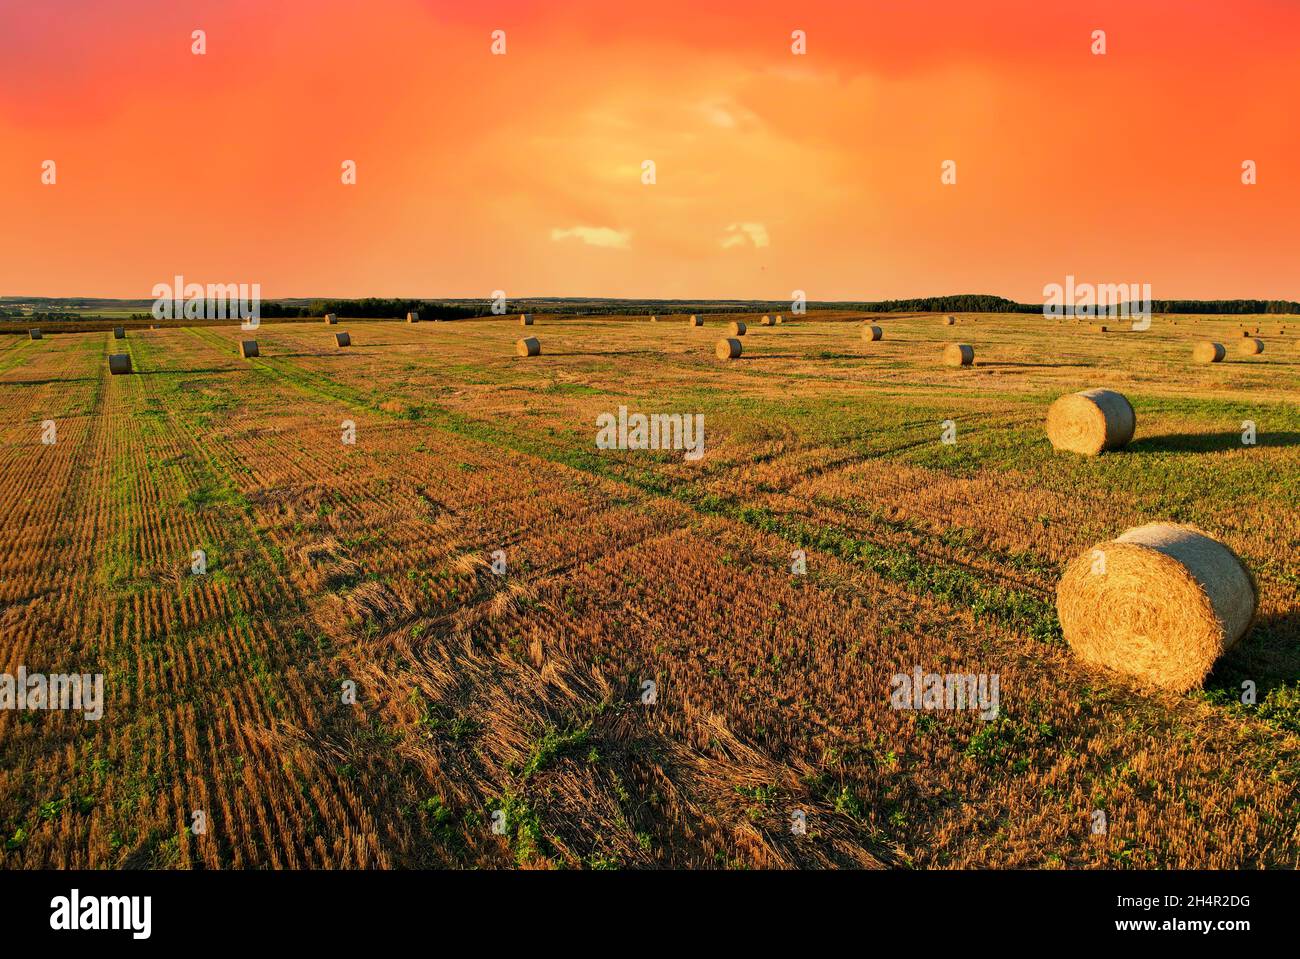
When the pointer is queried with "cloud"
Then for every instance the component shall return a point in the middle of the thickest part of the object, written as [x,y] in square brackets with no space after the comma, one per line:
[594,236]
[756,233]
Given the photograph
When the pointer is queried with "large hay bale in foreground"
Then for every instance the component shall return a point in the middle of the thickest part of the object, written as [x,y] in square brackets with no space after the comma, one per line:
[331,318]
[525,319]
[1207,351]
[950,321]
[1160,603]
[248,348]
[413,317]
[119,333]
[738,328]
[119,363]
[342,339]
[872,333]
[1091,421]
[528,346]
[1251,347]
[35,334]
[727,348]
[695,320]
[959,354]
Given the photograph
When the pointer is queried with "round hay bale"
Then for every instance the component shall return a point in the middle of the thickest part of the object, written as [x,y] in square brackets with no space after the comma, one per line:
[525,319]
[248,348]
[1091,421]
[654,319]
[342,339]
[331,318]
[767,321]
[119,363]
[1160,603]
[727,348]
[872,333]
[950,321]
[738,328]
[780,319]
[528,346]
[695,320]
[959,354]
[413,317]
[1245,332]
[35,334]
[1208,351]
[1251,347]
[119,333]
[1099,328]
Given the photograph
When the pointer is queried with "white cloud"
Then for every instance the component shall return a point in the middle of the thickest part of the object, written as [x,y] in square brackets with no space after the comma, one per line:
[594,236]
[756,233]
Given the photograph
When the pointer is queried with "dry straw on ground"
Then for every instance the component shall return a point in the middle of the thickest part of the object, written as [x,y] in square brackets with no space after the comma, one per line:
[727,349]
[1251,347]
[1160,603]
[1207,351]
[872,333]
[248,348]
[119,363]
[342,339]
[119,333]
[695,320]
[525,319]
[528,346]
[738,328]
[1091,421]
[959,354]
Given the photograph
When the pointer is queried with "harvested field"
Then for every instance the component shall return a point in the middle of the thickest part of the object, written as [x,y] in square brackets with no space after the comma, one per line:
[499,591]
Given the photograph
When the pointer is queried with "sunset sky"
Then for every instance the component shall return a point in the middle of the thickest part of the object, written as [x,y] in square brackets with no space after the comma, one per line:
[775,172]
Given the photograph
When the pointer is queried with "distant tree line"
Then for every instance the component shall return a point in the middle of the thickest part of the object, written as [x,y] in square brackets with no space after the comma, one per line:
[372,308]
[983,303]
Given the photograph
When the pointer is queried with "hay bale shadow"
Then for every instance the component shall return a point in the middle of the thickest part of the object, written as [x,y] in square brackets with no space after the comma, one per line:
[1207,442]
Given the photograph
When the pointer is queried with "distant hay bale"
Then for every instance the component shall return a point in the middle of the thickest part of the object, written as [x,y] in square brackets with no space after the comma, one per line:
[872,333]
[1160,603]
[959,354]
[413,317]
[331,318]
[35,334]
[727,348]
[1091,421]
[525,319]
[342,339]
[779,318]
[768,321]
[1251,347]
[654,319]
[737,328]
[248,348]
[1208,351]
[119,363]
[119,333]
[695,320]
[1099,328]
[528,346]
[1245,332]
[950,321]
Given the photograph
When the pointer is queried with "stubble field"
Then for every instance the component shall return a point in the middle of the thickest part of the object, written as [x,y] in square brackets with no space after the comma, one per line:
[517,700]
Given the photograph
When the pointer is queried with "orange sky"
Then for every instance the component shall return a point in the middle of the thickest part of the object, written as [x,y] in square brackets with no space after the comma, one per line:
[775,172]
